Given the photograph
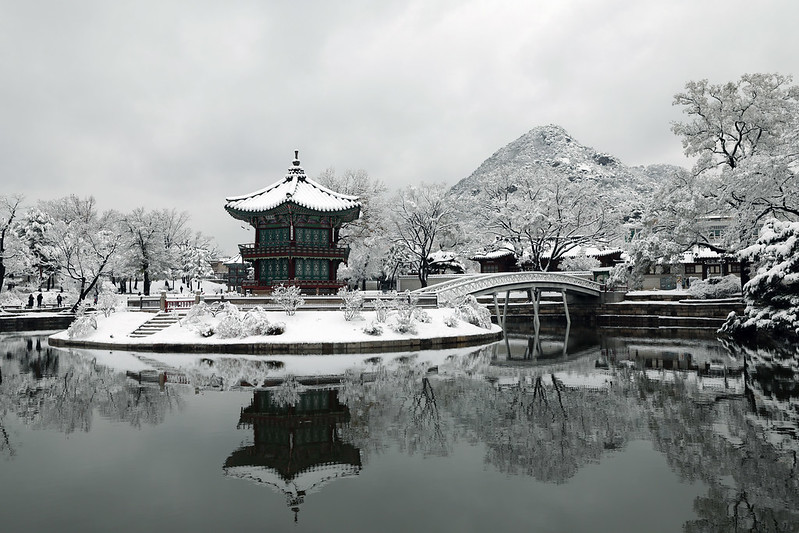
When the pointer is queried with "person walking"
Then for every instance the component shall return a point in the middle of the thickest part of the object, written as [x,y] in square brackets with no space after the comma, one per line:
[30,301]
[39,299]
[58,300]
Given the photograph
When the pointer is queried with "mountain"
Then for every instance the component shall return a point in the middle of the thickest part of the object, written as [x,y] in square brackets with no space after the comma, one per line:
[551,148]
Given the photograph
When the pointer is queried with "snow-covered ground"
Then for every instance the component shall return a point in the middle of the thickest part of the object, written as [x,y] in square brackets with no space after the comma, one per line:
[310,327]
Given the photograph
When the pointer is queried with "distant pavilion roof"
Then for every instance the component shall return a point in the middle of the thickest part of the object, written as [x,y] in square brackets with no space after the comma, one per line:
[296,188]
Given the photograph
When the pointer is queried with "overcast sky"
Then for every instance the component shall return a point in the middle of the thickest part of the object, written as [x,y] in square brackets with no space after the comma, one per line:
[180,104]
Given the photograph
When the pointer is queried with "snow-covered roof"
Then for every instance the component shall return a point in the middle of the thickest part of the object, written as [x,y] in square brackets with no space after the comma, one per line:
[500,248]
[296,188]
[442,256]
[698,252]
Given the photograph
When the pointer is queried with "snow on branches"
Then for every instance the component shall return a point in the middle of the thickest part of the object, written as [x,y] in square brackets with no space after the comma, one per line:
[352,303]
[288,298]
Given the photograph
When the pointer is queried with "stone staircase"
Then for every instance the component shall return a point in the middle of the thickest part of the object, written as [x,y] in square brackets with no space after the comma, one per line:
[157,323]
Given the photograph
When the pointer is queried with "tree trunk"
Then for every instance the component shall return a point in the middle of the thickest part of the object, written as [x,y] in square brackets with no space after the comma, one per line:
[146,283]
[2,274]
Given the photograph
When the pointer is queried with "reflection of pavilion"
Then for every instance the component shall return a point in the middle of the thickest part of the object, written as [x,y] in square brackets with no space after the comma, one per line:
[296,448]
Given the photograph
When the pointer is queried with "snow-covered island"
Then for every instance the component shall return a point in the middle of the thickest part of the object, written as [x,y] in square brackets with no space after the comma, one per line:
[306,332]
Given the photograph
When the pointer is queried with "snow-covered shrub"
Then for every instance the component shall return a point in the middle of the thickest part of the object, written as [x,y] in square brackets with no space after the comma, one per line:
[222,309]
[404,324]
[229,327]
[10,298]
[254,322]
[276,328]
[196,313]
[373,328]
[108,299]
[618,278]
[713,288]
[83,324]
[288,298]
[470,311]
[451,321]
[352,303]
[204,329]
[579,263]
[422,316]
[772,295]
[406,306]
[383,306]
[196,319]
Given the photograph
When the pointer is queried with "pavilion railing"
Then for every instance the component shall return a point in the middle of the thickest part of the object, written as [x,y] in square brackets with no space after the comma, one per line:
[253,251]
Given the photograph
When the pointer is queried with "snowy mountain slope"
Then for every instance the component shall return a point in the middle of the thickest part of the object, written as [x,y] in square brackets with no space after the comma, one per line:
[551,148]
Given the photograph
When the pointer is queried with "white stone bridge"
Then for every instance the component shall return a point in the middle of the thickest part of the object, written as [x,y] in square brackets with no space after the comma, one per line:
[507,282]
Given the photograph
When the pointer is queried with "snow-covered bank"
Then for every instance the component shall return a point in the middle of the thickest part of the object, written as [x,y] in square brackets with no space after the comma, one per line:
[317,332]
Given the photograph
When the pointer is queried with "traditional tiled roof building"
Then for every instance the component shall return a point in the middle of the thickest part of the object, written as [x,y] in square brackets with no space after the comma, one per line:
[297,448]
[296,223]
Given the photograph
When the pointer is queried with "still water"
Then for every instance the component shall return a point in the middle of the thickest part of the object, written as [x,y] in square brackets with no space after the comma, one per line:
[591,434]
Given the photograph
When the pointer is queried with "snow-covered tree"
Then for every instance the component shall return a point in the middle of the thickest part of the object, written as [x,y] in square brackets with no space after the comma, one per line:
[9,207]
[366,235]
[154,239]
[31,228]
[194,255]
[772,295]
[744,135]
[421,217]
[579,262]
[85,243]
[544,213]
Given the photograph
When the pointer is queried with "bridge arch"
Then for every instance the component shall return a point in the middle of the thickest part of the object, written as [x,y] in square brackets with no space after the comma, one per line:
[506,282]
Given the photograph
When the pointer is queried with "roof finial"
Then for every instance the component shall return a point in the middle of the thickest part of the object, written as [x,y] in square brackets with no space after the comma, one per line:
[296,158]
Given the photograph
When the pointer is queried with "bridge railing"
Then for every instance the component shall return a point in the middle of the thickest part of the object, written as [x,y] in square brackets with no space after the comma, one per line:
[474,284]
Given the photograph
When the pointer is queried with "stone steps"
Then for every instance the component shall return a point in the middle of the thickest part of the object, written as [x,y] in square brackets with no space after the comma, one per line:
[157,323]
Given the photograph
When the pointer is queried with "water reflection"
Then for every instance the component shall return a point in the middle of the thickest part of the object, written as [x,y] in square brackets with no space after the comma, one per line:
[296,446]
[53,389]
[722,415]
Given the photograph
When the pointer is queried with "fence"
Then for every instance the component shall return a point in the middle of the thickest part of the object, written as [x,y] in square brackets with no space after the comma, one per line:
[166,303]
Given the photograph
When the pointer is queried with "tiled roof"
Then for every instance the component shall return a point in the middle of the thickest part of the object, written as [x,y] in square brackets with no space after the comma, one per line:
[296,188]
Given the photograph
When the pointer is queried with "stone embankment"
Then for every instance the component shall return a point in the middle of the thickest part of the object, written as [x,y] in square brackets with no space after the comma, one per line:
[294,348]
[648,314]
[34,321]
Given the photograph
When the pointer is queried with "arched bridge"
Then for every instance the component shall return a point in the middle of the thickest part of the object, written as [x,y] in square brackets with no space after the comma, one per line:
[480,284]
[506,282]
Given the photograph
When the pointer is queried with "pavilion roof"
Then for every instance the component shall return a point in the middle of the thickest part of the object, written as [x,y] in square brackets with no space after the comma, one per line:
[295,188]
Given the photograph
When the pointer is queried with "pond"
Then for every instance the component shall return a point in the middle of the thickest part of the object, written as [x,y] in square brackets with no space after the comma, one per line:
[591,434]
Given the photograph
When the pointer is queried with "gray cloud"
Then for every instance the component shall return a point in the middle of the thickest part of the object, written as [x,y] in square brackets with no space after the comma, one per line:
[183,103]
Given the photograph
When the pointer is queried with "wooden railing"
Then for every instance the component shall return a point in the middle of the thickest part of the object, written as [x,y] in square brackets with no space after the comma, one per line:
[254,251]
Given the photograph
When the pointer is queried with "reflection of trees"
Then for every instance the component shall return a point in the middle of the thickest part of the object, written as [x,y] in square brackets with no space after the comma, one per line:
[542,428]
[539,427]
[749,460]
[53,389]
[533,423]
[400,406]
